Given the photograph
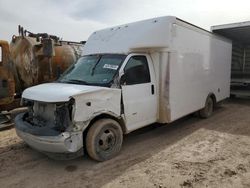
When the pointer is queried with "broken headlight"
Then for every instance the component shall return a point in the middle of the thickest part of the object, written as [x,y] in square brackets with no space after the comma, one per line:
[63,115]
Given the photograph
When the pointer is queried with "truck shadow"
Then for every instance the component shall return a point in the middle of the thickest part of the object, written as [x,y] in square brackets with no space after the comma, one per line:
[146,142]
[232,118]
[138,146]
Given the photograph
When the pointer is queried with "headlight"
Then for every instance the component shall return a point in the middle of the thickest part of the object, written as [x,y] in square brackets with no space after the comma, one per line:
[72,108]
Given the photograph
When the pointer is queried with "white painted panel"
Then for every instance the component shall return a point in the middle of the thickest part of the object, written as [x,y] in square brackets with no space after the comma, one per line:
[140,104]
[57,92]
[91,104]
[199,65]
[151,33]
[1,55]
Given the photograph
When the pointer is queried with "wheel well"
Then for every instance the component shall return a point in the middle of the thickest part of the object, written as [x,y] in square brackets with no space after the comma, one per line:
[213,98]
[102,116]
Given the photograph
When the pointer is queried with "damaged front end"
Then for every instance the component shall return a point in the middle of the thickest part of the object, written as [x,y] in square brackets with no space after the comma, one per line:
[55,118]
[49,127]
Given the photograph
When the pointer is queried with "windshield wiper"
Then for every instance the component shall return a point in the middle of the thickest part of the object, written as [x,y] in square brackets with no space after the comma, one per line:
[74,81]
[93,69]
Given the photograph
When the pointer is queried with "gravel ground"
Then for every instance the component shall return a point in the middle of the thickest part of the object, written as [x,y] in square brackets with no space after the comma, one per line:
[190,152]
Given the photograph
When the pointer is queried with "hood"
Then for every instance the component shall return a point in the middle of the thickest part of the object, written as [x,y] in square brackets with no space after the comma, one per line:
[57,92]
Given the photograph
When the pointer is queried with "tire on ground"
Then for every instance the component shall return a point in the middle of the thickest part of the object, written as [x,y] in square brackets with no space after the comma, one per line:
[104,139]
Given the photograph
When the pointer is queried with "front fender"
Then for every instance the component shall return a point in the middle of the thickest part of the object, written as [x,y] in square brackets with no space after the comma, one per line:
[89,105]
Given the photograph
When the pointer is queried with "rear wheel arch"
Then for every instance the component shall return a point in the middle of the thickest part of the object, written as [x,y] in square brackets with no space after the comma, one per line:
[209,105]
[212,95]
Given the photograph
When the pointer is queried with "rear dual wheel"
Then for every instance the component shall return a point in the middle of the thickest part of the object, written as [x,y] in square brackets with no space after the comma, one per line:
[104,139]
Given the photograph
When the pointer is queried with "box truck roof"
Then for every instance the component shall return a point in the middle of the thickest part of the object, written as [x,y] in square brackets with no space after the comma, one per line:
[138,36]
[239,32]
[151,33]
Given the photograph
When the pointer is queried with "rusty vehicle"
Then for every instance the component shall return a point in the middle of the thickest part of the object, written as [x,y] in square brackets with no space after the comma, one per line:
[31,59]
[39,58]
[7,83]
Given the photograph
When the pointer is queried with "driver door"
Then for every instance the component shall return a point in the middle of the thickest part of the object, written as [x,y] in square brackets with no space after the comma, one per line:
[139,92]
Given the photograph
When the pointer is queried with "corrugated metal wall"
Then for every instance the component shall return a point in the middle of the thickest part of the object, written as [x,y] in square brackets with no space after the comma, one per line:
[240,60]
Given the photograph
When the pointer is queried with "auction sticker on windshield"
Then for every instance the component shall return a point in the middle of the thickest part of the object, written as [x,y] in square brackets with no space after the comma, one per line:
[108,66]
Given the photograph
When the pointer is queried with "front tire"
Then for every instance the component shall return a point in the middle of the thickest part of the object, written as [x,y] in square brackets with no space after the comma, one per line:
[104,139]
[207,111]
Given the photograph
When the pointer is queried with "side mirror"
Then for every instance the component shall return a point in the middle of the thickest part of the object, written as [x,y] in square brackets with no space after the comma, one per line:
[123,79]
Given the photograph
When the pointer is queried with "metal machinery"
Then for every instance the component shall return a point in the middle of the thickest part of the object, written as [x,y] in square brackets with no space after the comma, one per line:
[31,59]
[39,58]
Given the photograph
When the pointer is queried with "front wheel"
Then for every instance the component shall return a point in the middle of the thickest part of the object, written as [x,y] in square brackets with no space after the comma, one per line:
[208,109]
[104,139]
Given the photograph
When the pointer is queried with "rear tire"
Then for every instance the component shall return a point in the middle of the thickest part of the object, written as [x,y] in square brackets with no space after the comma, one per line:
[104,139]
[207,111]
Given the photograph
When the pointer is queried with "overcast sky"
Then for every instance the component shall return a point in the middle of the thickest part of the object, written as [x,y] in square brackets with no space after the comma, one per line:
[76,19]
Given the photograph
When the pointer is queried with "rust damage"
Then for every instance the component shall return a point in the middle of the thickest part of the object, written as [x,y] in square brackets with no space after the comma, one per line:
[7,83]
[39,58]
[31,59]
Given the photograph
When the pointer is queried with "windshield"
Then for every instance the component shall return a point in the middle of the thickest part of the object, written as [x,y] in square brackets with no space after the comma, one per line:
[93,70]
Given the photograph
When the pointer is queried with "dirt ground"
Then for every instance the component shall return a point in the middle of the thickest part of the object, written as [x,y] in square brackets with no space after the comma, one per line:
[191,152]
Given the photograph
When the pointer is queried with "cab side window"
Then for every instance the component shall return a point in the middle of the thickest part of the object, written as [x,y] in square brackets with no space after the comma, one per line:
[136,71]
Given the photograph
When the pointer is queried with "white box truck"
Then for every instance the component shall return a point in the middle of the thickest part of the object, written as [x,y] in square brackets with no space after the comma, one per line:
[239,34]
[130,76]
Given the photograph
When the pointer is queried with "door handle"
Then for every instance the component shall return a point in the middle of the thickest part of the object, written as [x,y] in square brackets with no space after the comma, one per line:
[152,89]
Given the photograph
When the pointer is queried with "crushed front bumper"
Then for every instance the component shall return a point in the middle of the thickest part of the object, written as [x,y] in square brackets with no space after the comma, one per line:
[66,142]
